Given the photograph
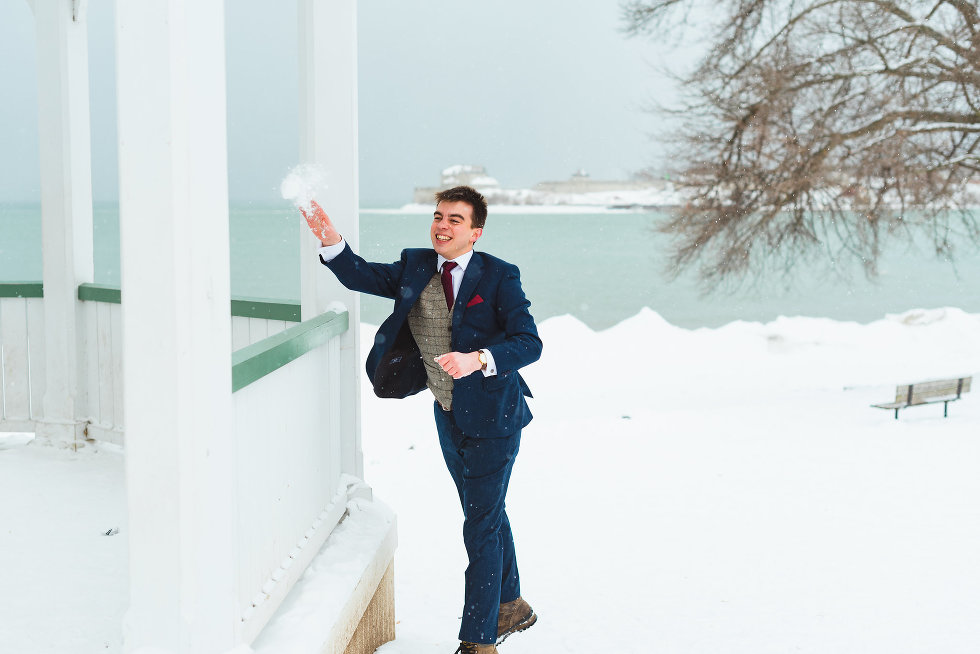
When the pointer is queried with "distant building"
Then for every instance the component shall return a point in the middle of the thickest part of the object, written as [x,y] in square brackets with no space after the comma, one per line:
[581,182]
[574,190]
[459,175]
[467,175]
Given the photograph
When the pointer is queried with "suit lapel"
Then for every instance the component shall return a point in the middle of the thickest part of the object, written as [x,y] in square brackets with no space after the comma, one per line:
[470,278]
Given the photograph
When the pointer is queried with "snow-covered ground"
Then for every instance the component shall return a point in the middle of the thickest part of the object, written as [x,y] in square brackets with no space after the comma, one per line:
[679,491]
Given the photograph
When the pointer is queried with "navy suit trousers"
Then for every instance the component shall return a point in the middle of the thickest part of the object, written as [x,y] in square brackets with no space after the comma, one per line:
[480,468]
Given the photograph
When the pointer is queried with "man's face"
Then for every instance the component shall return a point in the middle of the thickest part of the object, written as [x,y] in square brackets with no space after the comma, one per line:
[452,230]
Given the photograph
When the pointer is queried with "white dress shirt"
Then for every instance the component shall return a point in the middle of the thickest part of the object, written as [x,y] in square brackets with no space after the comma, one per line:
[328,252]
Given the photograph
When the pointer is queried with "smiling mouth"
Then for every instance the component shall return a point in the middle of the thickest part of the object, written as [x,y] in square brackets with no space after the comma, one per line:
[444,239]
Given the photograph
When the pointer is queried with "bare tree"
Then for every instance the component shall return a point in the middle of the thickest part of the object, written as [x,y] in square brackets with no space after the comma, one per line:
[821,124]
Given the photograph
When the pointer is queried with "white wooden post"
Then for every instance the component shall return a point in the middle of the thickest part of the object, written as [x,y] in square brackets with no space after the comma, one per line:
[328,137]
[173,191]
[66,208]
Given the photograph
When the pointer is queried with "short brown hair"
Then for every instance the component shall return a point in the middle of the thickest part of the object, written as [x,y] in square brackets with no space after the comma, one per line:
[470,196]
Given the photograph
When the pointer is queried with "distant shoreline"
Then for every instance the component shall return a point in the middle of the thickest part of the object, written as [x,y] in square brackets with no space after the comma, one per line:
[263,205]
[530,208]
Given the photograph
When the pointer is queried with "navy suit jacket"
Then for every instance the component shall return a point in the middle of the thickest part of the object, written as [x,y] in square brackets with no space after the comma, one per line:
[490,312]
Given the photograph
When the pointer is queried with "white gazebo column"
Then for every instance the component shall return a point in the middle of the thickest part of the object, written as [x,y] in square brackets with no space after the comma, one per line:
[66,207]
[173,187]
[328,137]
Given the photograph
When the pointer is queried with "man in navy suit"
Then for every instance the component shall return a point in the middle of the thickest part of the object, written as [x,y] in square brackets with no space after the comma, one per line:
[461,328]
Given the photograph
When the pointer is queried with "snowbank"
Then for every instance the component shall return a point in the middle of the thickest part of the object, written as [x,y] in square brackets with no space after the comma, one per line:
[714,490]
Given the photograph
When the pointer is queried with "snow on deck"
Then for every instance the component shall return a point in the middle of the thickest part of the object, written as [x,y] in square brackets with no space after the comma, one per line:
[63,578]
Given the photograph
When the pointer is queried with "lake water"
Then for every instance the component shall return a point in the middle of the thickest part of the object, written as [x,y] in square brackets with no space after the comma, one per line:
[600,267]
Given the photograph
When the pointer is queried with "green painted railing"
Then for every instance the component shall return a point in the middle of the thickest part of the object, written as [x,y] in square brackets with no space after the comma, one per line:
[242,307]
[99,293]
[259,359]
[249,363]
[257,307]
[21,289]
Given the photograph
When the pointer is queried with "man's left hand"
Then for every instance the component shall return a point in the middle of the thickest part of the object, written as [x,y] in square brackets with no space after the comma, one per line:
[458,365]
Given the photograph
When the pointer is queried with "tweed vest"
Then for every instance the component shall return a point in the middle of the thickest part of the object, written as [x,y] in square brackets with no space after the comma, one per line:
[431,325]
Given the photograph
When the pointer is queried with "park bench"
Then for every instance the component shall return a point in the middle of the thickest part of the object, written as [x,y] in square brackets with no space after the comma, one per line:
[928,392]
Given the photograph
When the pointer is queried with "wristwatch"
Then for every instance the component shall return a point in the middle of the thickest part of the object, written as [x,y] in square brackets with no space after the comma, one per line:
[483,360]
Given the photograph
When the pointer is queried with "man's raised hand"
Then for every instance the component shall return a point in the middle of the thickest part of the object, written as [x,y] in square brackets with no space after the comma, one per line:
[320,224]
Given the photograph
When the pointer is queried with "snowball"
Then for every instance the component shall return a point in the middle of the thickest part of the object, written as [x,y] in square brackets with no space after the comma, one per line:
[303,183]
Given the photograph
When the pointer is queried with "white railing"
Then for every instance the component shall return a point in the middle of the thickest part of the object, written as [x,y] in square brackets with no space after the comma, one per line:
[288,453]
[253,319]
[246,331]
[292,488]
[101,359]
[100,395]
[21,356]
[287,412]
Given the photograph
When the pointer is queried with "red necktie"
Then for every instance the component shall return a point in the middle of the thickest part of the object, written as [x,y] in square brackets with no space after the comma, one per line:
[447,282]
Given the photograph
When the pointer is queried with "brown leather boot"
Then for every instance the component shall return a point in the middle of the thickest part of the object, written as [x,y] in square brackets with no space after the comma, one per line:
[475,648]
[513,617]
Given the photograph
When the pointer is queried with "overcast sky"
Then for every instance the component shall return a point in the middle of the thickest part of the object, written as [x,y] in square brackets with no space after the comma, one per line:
[531,90]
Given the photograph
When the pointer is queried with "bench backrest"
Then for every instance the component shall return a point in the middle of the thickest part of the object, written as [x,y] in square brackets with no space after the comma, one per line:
[925,391]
